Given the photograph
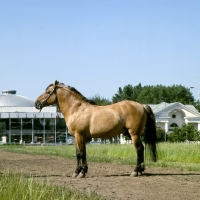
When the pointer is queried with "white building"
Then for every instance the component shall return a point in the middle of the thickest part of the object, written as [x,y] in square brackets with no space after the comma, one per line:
[170,115]
[20,120]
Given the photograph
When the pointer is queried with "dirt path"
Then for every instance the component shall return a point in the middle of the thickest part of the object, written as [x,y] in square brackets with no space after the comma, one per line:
[109,180]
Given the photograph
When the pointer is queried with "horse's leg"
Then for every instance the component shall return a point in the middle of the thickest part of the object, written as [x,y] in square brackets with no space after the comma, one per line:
[78,168]
[140,156]
[82,167]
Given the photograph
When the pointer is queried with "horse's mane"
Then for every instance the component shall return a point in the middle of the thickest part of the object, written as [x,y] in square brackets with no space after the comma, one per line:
[78,94]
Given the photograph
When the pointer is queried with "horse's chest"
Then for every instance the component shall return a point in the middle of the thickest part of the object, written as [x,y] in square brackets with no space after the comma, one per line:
[77,124]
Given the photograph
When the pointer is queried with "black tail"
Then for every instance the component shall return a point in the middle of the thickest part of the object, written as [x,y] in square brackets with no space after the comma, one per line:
[150,137]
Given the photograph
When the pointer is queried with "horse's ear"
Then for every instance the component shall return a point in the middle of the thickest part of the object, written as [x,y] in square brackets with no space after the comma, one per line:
[56,82]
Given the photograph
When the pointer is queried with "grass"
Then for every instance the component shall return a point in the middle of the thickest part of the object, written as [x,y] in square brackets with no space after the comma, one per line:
[184,156]
[175,155]
[15,187]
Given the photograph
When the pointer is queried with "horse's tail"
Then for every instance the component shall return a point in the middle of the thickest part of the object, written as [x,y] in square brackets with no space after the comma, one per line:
[150,137]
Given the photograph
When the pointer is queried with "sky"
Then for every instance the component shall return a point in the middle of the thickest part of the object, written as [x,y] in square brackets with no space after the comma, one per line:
[98,46]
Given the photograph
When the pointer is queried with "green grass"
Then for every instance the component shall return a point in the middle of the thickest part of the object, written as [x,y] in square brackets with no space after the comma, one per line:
[179,155]
[175,155]
[15,187]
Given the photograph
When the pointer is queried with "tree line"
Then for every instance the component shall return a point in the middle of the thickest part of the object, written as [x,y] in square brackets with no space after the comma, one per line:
[151,95]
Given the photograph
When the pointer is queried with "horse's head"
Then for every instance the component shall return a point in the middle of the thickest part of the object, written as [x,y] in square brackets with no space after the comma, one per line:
[48,97]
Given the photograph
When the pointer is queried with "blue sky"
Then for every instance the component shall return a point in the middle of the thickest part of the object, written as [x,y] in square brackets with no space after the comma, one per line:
[98,46]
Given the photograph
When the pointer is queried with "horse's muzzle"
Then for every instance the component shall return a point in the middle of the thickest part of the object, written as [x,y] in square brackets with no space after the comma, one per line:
[38,105]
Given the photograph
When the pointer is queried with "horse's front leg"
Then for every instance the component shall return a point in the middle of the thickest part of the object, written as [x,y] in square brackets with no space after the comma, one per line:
[139,169]
[82,167]
[78,168]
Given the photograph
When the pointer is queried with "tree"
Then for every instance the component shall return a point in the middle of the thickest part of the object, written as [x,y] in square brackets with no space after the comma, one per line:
[101,101]
[154,94]
[127,93]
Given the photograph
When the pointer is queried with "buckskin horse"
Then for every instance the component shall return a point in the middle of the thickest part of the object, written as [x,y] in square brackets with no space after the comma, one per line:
[86,120]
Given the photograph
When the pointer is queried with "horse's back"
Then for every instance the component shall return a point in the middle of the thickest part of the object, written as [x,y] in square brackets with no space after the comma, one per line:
[129,108]
[120,109]
[116,118]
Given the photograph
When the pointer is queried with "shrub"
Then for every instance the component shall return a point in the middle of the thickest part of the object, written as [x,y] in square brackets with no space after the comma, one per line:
[160,134]
[185,133]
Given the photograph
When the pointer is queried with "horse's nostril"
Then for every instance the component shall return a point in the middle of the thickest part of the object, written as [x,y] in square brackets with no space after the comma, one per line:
[37,105]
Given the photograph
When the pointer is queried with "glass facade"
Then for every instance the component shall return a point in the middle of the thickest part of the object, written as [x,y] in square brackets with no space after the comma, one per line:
[38,130]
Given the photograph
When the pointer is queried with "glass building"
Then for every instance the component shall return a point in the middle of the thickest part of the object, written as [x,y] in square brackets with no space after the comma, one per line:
[21,122]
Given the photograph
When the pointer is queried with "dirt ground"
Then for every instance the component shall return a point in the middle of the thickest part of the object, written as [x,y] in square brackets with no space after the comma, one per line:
[109,180]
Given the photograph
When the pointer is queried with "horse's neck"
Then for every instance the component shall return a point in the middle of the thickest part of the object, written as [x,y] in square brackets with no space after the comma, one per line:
[67,103]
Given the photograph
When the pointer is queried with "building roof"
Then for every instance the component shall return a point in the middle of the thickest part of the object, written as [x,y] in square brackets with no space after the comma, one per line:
[163,107]
[9,98]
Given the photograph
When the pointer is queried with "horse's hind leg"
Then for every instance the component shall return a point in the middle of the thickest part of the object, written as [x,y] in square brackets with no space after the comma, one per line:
[82,167]
[139,169]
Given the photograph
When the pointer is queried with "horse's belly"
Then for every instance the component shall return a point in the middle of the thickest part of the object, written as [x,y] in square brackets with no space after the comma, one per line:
[105,133]
[106,126]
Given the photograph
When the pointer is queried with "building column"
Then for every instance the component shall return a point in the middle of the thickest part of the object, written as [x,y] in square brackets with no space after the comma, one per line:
[44,123]
[198,126]
[66,135]
[9,134]
[21,138]
[121,139]
[55,130]
[166,126]
[32,131]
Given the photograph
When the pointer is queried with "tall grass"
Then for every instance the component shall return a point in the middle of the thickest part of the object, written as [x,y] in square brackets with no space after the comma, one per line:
[176,155]
[179,155]
[16,187]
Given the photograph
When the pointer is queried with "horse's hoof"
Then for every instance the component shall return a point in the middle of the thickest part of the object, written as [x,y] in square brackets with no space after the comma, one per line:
[74,175]
[142,167]
[81,175]
[140,173]
[134,174]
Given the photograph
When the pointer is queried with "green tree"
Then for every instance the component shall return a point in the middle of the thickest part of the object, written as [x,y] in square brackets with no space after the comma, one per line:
[127,93]
[101,101]
[154,94]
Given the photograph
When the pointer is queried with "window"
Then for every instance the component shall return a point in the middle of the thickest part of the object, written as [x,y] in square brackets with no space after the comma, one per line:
[173,116]
[173,125]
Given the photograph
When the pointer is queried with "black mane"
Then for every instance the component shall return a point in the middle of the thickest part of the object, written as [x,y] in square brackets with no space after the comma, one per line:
[53,84]
[83,97]
[48,87]
[77,92]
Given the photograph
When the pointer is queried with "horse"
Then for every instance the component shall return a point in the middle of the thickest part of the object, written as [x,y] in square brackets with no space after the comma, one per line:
[86,120]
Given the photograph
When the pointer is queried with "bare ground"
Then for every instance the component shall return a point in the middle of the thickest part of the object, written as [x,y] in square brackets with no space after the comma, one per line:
[109,180]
